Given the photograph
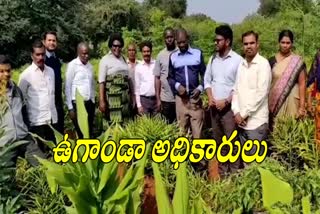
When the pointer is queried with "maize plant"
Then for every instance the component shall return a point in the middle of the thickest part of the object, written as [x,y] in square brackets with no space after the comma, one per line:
[9,196]
[293,142]
[93,187]
[180,202]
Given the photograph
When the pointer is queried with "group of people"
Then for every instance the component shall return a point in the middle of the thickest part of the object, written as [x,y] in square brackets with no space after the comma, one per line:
[245,92]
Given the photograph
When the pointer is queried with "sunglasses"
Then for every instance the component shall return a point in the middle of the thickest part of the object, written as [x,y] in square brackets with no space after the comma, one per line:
[117,46]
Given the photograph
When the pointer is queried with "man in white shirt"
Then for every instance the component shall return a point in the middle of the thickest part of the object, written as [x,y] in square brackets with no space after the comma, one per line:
[145,82]
[37,84]
[250,98]
[80,76]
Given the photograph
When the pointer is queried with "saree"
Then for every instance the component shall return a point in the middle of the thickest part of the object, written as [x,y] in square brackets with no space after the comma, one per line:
[284,93]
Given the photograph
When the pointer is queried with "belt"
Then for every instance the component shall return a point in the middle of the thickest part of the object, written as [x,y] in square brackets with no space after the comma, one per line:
[149,97]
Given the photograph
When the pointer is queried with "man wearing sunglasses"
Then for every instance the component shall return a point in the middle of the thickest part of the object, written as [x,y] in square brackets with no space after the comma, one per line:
[219,80]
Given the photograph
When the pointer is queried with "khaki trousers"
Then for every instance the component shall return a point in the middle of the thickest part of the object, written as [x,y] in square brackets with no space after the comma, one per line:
[190,115]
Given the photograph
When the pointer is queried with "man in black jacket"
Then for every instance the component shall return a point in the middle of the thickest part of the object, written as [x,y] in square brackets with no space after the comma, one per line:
[51,60]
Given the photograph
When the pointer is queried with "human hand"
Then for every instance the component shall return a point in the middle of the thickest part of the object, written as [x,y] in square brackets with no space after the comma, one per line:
[195,93]
[181,90]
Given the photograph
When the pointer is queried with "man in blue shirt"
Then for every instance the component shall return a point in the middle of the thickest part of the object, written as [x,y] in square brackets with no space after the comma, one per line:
[219,81]
[185,65]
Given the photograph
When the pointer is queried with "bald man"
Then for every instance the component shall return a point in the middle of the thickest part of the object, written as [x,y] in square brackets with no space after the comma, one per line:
[185,66]
[80,76]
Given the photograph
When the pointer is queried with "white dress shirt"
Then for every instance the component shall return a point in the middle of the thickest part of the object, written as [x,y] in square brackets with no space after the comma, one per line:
[38,89]
[79,76]
[250,97]
[144,80]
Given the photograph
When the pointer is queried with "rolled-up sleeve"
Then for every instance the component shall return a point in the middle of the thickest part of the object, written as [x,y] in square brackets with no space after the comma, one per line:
[103,70]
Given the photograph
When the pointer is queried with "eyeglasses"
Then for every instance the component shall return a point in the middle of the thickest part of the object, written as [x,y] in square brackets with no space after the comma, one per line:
[117,46]
[218,40]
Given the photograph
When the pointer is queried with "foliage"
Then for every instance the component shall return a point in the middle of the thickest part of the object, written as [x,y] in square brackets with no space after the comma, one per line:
[293,143]
[174,8]
[9,196]
[94,186]
[36,196]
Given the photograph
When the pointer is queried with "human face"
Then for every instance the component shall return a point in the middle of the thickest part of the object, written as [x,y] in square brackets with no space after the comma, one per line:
[50,42]
[169,40]
[83,54]
[132,52]
[220,43]
[5,72]
[250,46]
[38,56]
[146,54]
[285,45]
[182,42]
[116,48]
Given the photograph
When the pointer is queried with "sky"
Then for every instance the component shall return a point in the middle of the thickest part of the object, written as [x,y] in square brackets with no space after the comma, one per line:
[227,11]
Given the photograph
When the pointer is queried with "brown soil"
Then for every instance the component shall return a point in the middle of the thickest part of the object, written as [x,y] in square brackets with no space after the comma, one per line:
[213,170]
[71,134]
[149,203]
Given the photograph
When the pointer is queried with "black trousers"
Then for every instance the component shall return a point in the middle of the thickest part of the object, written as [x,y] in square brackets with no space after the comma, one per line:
[60,125]
[45,132]
[90,107]
[168,109]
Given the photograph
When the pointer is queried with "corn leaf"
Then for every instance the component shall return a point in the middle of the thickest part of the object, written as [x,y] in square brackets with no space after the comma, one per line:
[274,190]
[162,198]
[181,194]
[82,115]
[237,211]
[306,206]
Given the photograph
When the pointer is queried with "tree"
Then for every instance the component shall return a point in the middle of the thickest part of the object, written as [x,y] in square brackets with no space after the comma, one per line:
[102,17]
[174,8]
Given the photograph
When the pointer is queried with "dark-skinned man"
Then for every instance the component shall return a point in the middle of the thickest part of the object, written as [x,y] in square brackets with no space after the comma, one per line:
[185,65]
[165,98]
[80,76]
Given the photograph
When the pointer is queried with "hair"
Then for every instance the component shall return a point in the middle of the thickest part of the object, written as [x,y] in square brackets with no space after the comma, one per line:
[168,29]
[251,32]
[4,60]
[146,43]
[49,32]
[133,44]
[181,31]
[287,33]
[36,44]
[82,44]
[226,32]
[115,36]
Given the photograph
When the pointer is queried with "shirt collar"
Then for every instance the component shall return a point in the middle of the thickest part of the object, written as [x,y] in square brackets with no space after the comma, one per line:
[78,62]
[152,61]
[230,54]
[35,68]
[189,51]
[254,60]
[49,54]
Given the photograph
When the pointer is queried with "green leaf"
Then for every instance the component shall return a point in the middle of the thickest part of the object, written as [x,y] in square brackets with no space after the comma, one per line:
[274,190]
[237,211]
[181,194]
[162,198]
[82,115]
[306,206]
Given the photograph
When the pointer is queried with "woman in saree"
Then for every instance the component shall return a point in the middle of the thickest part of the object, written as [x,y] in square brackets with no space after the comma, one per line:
[288,87]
